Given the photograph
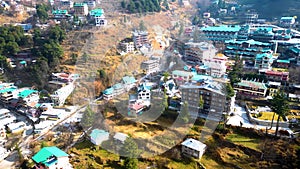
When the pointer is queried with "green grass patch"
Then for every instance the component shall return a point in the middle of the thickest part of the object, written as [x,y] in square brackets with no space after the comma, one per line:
[244,141]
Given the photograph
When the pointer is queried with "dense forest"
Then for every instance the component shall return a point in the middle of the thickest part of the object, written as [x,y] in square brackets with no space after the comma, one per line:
[44,45]
[143,6]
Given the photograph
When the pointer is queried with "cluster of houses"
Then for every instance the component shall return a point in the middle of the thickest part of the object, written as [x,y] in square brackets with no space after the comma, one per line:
[86,10]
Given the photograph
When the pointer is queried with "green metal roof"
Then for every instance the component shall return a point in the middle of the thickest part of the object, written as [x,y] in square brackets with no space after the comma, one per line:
[181,73]
[118,86]
[11,89]
[282,61]
[222,28]
[97,12]
[260,56]
[98,133]
[45,153]
[26,93]
[252,84]
[129,79]
[108,91]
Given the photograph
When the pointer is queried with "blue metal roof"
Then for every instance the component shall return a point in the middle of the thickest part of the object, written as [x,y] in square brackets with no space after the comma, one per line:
[222,28]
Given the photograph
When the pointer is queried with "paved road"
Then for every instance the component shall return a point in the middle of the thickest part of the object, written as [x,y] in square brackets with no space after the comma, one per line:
[240,115]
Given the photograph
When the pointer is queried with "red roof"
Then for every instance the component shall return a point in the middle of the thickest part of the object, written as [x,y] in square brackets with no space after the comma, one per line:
[269,72]
[137,106]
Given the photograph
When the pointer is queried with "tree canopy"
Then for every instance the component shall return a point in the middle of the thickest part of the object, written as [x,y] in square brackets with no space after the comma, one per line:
[142,6]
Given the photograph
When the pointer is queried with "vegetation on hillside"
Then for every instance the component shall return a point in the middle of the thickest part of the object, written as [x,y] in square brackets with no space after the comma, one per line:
[144,6]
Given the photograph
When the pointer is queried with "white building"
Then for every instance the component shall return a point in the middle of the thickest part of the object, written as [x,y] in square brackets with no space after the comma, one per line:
[217,65]
[98,136]
[16,127]
[193,148]
[127,47]
[150,66]
[144,92]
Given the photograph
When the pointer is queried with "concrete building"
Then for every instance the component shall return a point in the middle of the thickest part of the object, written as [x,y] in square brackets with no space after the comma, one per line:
[193,148]
[251,89]
[127,47]
[51,158]
[263,34]
[98,136]
[129,82]
[273,88]
[99,17]
[113,91]
[196,52]
[81,9]
[140,38]
[150,66]
[221,33]
[246,48]
[263,61]
[276,76]
[212,95]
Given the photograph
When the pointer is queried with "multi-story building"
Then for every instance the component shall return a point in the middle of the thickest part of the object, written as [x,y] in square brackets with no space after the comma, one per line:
[221,33]
[66,4]
[144,93]
[181,76]
[276,76]
[217,65]
[282,63]
[273,88]
[196,52]
[263,61]
[28,96]
[127,47]
[140,38]
[193,148]
[113,91]
[251,89]
[81,9]
[248,48]
[51,158]
[150,66]
[212,95]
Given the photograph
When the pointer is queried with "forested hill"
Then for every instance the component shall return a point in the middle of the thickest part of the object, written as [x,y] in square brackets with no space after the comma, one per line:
[274,8]
[143,6]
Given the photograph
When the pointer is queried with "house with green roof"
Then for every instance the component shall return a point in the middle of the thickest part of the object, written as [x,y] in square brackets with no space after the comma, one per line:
[98,16]
[263,61]
[113,91]
[98,136]
[51,158]
[251,89]
[28,95]
[129,82]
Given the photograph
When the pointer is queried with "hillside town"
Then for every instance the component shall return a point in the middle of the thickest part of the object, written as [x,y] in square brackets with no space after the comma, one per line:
[216,86]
